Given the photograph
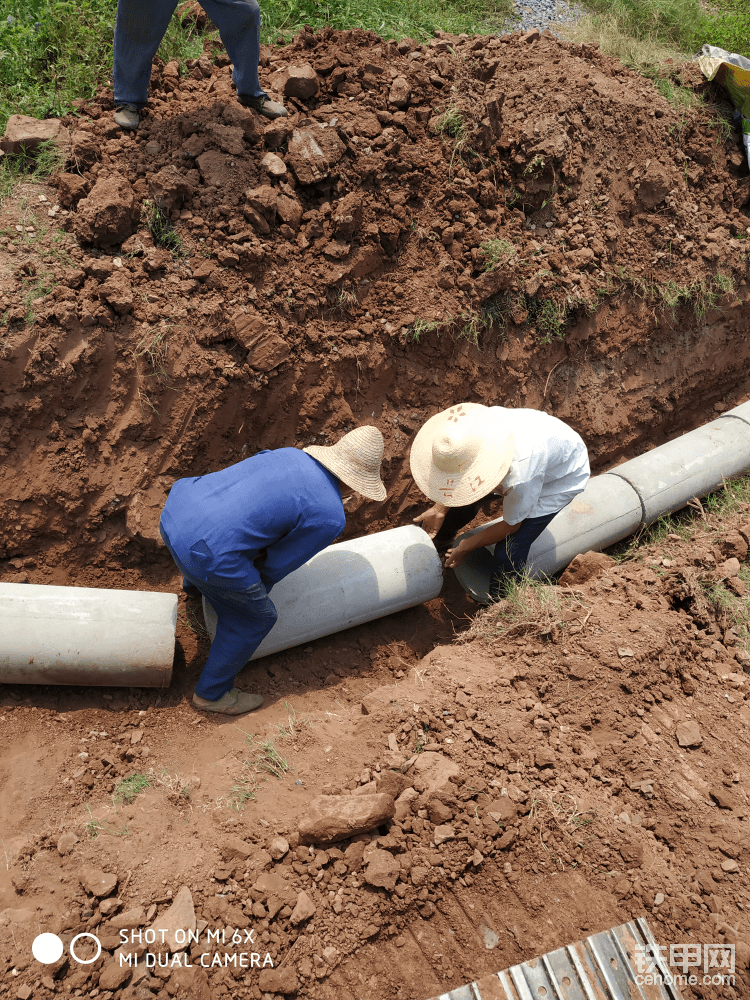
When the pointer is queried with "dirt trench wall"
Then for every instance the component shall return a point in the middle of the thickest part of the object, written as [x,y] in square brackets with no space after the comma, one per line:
[95,432]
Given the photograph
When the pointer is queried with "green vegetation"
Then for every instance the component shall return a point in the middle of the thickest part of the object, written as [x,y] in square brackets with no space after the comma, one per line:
[160,226]
[530,607]
[194,621]
[549,318]
[266,758]
[496,252]
[703,294]
[239,794]
[389,18]
[46,160]
[35,287]
[648,32]
[127,789]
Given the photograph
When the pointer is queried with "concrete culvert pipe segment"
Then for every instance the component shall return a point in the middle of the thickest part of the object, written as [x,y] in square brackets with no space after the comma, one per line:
[83,635]
[350,583]
[628,498]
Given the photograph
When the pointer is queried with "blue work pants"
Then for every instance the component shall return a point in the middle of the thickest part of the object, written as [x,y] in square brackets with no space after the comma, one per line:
[141,24]
[245,617]
[511,554]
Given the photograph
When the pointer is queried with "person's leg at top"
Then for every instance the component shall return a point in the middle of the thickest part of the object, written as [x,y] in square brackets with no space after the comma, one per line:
[140,26]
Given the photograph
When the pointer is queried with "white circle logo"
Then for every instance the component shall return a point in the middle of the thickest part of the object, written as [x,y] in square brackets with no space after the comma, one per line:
[47,948]
[86,961]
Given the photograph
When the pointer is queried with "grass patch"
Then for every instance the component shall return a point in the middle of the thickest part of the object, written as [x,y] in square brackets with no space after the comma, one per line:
[389,18]
[450,125]
[239,794]
[496,253]
[127,789]
[35,287]
[153,349]
[549,318]
[160,226]
[648,33]
[731,610]
[267,758]
[293,723]
[192,620]
[531,607]
[36,168]
[264,757]
[420,327]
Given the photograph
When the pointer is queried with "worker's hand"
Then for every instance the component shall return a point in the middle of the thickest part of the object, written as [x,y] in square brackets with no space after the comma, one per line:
[455,556]
[432,519]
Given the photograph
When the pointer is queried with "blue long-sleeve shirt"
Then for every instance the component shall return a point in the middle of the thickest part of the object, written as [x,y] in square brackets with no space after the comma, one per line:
[281,503]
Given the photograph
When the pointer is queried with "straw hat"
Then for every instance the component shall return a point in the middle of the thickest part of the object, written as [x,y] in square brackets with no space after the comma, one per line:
[355,459]
[461,454]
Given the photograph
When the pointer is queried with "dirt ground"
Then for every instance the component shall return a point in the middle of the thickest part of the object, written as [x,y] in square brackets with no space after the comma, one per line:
[515,220]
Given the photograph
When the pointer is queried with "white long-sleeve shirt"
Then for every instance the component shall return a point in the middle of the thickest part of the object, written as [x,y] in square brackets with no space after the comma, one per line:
[550,465]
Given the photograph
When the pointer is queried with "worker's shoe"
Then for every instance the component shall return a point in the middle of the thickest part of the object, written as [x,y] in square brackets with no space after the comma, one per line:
[264,106]
[127,117]
[234,702]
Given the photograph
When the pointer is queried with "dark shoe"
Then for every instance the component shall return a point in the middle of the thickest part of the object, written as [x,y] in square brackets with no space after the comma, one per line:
[264,105]
[234,702]
[127,117]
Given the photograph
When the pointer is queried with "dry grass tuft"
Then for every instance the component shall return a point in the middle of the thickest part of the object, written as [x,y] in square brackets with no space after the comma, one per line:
[606,31]
[532,607]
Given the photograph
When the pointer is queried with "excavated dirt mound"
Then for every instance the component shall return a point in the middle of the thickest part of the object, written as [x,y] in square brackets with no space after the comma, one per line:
[513,220]
[433,216]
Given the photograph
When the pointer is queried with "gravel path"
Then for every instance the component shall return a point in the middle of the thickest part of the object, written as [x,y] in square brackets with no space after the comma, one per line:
[544,14]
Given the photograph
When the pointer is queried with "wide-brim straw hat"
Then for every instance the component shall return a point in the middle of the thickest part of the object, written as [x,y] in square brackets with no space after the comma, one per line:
[461,454]
[355,459]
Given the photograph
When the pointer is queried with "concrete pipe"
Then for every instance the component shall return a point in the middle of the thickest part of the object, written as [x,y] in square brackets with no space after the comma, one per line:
[350,583]
[690,466]
[628,498]
[81,635]
[608,510]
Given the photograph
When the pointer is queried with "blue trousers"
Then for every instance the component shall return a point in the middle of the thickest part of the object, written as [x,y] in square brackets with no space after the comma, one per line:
[511,554]
[245,617]
[141,24]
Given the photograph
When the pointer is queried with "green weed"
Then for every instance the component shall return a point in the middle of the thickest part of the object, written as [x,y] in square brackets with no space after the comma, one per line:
[36,167]
[450,123]
[724,283]
[160,226]
[190,619]
[451,126]
[36,287]
[730,499]
[239,794]
[265,757]
[293,723]
[472,324]
[92,827]
[127,789]
[496,252]
[422,326]
[549,318]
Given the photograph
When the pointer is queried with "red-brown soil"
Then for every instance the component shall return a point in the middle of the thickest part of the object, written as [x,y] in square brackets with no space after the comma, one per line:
[289,316]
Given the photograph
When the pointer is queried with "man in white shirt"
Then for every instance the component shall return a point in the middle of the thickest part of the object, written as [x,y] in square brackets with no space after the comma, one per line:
[464,455]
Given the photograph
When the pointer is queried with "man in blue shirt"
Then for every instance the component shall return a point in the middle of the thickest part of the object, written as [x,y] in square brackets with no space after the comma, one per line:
[235,533]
